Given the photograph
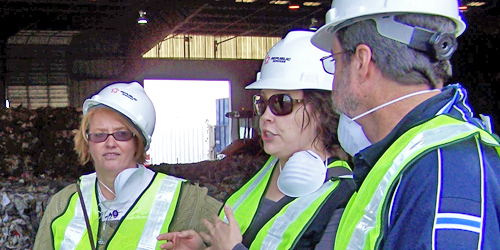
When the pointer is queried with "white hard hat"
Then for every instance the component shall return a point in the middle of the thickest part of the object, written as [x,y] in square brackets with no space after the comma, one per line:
[358,10]
[131,100]
[293,63]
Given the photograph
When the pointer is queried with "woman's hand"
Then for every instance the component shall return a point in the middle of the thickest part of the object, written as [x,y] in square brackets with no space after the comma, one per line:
[222,236]
[184,240]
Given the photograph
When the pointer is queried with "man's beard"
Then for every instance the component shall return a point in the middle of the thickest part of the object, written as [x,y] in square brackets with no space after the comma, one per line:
[344,101]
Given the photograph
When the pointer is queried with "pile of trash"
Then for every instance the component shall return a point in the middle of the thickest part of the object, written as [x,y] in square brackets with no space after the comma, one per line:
[39,142]
[23,201]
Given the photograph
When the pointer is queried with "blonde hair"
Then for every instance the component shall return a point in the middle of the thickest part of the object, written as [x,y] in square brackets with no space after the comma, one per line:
[82,142]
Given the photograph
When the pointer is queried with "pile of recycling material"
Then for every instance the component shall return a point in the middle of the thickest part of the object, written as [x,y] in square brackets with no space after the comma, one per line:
[39,142]
[21,208]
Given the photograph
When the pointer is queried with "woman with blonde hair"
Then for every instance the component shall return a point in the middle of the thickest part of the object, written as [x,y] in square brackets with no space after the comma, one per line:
[122,205]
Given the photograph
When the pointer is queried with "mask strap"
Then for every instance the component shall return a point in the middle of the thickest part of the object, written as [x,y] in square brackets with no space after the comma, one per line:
[393,101]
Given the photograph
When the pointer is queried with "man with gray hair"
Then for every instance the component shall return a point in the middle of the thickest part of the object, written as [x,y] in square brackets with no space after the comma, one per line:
[428,171]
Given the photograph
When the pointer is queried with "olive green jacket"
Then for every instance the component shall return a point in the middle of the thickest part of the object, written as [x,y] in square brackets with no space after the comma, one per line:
[194,205]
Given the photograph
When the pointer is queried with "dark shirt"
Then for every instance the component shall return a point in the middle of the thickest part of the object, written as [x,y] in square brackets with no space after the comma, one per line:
[460,179]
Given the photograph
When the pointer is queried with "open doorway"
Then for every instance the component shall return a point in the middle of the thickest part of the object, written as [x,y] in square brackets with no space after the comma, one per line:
[185,119]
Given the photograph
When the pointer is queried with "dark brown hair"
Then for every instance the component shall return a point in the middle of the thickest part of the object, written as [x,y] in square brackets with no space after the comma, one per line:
[326,118]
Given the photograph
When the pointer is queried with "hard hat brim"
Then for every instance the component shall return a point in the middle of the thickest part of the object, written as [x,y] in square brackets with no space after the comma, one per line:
[290,85]
[323,37]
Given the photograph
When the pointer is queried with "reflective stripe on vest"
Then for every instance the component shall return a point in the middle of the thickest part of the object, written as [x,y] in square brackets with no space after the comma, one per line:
[285,228]
[77,227]
[253,189]
[360,225]
[151,215]
[168,193]
[282,231]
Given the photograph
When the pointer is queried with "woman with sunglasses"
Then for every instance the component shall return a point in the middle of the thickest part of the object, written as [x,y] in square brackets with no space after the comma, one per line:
[296,200]
[122,205]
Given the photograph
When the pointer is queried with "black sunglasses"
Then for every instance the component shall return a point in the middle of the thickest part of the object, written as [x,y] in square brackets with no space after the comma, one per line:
[279,104]
[119,136]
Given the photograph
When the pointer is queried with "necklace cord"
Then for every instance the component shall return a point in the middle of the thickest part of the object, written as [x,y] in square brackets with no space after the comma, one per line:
[87,222]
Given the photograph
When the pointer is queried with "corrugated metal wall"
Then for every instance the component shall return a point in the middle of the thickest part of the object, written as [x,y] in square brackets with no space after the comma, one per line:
[80,90]
[38,96]
[36,69]
[211,47]
[37,80]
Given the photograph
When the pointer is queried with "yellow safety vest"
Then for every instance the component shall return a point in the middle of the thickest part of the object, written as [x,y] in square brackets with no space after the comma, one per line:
[146,219]
[284,229]
[360,225]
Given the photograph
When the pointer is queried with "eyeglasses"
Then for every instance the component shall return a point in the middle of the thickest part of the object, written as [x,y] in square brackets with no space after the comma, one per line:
[119,136]
[329,62]
[279,104]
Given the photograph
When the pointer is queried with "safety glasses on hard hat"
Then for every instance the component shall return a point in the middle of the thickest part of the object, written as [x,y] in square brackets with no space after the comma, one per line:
[279,104]
[119,136]
[329,62]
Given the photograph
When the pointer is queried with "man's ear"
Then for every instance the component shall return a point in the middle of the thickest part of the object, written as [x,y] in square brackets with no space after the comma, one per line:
[363,58]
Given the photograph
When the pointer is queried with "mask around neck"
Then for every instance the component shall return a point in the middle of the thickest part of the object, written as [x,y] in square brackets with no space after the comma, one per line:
[303,174]
[351,136]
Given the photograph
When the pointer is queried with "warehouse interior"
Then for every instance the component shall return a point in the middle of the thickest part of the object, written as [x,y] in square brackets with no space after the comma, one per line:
[76,47]
[87,44]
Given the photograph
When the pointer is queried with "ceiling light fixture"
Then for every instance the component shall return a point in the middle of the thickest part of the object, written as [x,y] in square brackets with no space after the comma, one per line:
[294,6]
[476,4]
[142,17]
[278,2]
[312,4]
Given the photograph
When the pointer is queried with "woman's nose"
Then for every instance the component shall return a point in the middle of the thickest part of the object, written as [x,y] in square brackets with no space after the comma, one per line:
[110,141]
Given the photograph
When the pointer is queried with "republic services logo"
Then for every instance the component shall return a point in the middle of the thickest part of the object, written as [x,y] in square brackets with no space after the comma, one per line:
[266,60]
[280,59]
[129,96]
[114,90]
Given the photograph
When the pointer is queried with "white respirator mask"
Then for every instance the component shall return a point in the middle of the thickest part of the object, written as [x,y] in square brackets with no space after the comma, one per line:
[352,138]
[303,173]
